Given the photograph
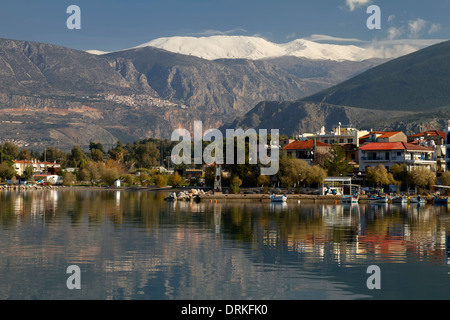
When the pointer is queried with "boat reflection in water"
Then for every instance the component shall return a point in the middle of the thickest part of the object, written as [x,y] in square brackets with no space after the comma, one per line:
[135,245]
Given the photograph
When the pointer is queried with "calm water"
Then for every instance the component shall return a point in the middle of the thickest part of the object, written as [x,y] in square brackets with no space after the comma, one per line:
[134,245]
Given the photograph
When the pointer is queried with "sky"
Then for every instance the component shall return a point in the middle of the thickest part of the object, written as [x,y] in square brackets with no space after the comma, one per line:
[110,25]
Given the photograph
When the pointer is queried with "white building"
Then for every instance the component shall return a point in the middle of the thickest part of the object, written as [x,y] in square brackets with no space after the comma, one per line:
[391,153]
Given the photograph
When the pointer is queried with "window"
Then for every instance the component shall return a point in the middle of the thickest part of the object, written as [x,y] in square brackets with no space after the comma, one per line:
[349,140]
[341,140]
[325,141]
[399,153]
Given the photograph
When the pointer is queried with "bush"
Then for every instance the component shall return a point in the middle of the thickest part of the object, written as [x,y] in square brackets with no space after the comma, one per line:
[160,181]
[235,184]
[68,179]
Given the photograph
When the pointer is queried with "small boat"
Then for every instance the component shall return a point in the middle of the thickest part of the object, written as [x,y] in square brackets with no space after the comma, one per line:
[278,198]
[350,199]
[444,200]
[378,199]
[399,199]
[417,199]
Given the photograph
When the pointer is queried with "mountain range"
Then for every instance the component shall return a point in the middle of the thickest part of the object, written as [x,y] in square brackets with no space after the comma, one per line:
[51,95]
[409,93]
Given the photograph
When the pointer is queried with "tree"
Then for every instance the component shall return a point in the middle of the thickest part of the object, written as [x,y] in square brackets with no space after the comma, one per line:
[129,179]
[236,182]
[96,155]
[445,178]
[292,171]
[96,146]
[160,181]
[423,177]
[90,172]
[77,156]
[53,154]
[68,179]
[316,174]
[263,181]
[380,176]
[28,173]
[24,154]
[109,175]
[175,180]
[146,155]
[6,171]
[401,174]
[10,151]
[337,164]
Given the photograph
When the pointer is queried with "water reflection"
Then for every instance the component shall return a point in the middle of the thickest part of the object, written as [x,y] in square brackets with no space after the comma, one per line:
[134,245]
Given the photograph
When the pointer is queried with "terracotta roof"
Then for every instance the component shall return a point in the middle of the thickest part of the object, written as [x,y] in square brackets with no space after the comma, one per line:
[32,162]
[382,134]
[429,133]
[305,145]
[393,146]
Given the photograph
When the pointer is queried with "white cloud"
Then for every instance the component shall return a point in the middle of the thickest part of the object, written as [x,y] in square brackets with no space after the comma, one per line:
[416,27]
[323,37]
[435,27]
[353,4]
[412,29]
[208,33]
[395,33]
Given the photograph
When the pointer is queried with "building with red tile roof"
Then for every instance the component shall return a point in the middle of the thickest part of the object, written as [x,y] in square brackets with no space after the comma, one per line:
[391,153]
[308,150]
[383,136]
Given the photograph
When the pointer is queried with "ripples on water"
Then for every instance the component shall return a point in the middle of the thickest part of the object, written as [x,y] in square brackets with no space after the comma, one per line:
[134,245]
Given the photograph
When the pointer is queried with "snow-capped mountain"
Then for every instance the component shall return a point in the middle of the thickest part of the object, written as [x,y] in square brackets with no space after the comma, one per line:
[255,48]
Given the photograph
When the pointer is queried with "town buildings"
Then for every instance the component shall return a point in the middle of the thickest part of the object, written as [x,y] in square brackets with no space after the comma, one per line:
[309,150]
[391,153]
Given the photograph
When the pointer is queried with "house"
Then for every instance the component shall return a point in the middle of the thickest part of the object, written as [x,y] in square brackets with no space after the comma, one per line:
[347,137]
[433,139]
[438,137]
[38,166]
[383,136]
[308,150]
[192,173]
[391,153]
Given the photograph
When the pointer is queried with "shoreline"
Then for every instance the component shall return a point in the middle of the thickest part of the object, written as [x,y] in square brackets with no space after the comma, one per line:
[208,196]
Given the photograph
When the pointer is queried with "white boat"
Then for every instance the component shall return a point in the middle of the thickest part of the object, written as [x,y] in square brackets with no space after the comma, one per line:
[417,200]
[400,200]
[378,199]
[278,198]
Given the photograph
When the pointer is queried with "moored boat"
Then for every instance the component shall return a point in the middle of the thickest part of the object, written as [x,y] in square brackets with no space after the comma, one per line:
[443,200]
[378,199]
[417,199]
[399,199]
[278,198]
[350,199]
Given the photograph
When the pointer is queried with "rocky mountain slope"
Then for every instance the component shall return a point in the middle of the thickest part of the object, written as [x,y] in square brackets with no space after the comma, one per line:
[51,95]
[409,93]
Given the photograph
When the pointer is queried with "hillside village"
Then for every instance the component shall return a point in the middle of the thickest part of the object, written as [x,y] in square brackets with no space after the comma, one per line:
[388,160]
